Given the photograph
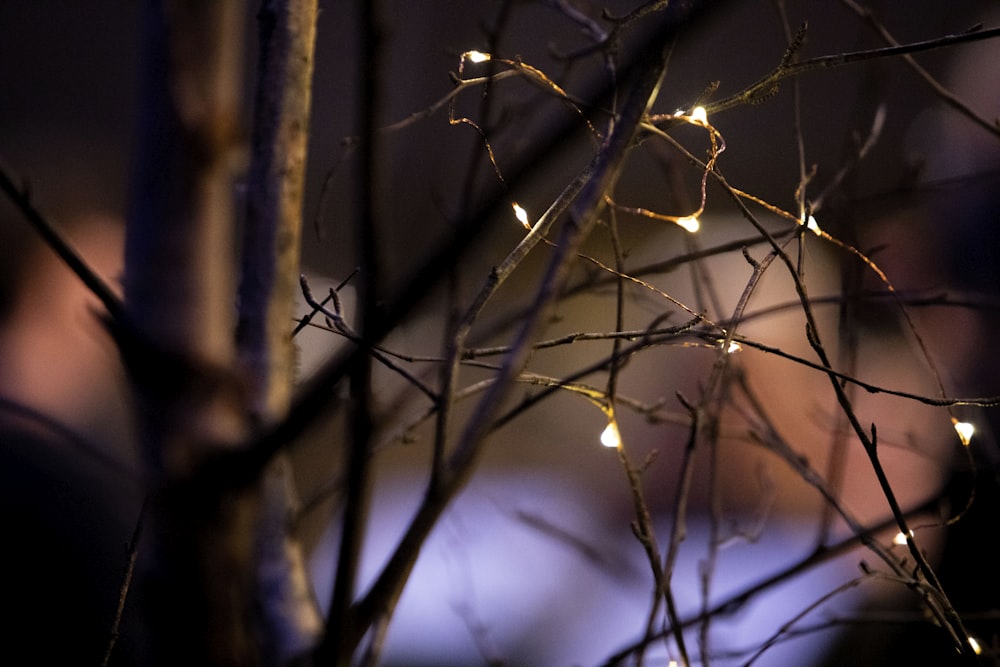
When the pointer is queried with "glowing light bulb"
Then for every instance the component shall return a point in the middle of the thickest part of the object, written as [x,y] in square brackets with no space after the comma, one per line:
[733,347]
[690,223]
[812,225]
[976,647]
[699,115]
[610,437]
[521,215]
[476,56]
[901,538]
[965,431]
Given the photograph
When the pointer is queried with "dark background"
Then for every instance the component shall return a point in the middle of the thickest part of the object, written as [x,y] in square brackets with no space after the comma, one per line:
[68,82]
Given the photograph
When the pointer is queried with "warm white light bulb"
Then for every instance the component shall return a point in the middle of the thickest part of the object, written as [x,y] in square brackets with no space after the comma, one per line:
[734,347]
[699,115]
[521,215]
[690,223]
[901,538]
[976,647]
[965,431]
[610,437]
[812,225]
[476,56]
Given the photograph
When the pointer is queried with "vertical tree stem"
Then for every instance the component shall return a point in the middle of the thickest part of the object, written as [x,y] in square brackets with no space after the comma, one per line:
[267,297]
[339,645]
[275,184]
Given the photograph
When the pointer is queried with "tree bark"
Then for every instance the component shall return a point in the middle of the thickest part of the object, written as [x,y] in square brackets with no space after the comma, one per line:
[268,288]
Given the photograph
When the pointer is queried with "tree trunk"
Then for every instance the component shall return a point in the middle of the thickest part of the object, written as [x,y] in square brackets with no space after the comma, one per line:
[224,583]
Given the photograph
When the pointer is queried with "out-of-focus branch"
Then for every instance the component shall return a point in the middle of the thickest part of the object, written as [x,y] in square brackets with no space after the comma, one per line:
[179,348]
[949,97]
[339,643]
[179,278]
[21,198]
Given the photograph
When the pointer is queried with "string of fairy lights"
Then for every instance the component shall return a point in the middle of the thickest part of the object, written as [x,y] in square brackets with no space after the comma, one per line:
[698,116]
[611,436]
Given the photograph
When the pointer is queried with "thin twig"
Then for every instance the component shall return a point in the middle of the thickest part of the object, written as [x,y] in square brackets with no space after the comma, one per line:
[132,552]
[344,329]
[944,610]
[736,601]
[768,85]
[642,525]
[982,402]
[949,98]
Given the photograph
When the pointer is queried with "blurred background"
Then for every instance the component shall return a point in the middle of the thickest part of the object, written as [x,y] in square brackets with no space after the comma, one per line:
[535,564]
